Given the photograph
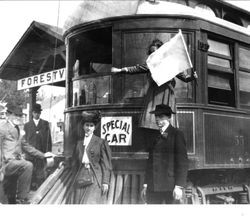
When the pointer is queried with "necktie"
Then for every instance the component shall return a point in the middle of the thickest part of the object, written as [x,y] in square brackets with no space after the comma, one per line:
[18,130]
[164,135]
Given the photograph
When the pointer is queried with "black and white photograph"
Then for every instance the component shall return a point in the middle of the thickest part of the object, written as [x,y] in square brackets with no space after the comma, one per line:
[136,103]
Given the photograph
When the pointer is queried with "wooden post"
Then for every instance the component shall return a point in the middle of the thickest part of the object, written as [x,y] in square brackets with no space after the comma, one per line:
[32,99]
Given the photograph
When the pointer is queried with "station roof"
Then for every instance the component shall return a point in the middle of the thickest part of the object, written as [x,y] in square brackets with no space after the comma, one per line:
[36,52]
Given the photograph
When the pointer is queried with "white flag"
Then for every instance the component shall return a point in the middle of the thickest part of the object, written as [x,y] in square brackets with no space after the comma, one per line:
[169,60]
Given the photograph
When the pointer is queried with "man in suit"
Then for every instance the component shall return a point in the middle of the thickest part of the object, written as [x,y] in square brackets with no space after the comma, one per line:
[167,165]
[37,134]
[12,145]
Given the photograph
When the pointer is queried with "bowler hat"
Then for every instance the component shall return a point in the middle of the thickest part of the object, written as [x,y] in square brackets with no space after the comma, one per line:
[36,108]
[91,116]
[162,109]
[15,109]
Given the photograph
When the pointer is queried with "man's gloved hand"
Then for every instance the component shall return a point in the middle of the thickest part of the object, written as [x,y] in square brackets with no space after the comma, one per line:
[49,156]
[178,192]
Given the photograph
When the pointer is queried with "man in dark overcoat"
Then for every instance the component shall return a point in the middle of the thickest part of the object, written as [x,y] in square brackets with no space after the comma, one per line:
[167,165]
[37,134]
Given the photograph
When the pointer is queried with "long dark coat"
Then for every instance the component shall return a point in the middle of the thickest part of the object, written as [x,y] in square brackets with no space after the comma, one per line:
[99,155]
[38,136]
[167,165]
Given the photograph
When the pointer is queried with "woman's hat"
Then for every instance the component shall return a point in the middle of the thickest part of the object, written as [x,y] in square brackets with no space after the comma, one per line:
[162,109]
[36,108]
[91,116]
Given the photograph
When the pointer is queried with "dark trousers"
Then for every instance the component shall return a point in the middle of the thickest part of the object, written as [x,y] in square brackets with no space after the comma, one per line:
[22,169]
[39,173]
[160,197]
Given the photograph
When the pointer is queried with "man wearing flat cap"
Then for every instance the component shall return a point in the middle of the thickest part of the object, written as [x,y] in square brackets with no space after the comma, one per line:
[37,133]
[167,165]
[12,146]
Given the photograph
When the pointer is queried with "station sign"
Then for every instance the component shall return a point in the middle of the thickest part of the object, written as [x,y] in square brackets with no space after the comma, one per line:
[41,79]
[117,130]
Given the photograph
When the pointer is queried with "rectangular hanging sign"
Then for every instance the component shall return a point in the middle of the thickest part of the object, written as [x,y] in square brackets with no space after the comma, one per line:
[117,130]
[41,79]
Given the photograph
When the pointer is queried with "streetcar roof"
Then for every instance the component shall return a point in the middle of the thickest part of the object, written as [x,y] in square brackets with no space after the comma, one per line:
[95,10]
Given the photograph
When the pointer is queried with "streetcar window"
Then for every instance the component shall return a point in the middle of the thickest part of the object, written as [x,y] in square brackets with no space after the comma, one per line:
[91,91]
[218,47]
[135,52]
[135,45]
[244,58]
[93,51]
[218,61]
[220,74]
[219,81]
[91,62]
[244,76]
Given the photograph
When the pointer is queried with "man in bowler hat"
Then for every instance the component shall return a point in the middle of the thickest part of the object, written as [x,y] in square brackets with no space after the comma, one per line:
[167,165]
[37,134]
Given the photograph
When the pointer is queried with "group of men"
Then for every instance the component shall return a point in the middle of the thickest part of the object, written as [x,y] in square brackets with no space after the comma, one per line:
[23,153]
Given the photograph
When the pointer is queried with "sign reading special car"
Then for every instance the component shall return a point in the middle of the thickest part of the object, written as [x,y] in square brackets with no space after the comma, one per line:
[117,130]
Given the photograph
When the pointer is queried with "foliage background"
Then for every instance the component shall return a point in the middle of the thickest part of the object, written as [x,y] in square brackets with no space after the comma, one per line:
[9,93]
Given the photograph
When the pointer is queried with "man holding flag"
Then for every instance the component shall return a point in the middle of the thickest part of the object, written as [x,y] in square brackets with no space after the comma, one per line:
[165,61]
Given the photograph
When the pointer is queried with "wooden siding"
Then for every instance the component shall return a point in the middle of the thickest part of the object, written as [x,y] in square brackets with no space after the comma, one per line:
[125,186]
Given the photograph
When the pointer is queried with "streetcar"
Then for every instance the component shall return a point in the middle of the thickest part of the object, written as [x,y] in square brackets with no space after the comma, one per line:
[213,112]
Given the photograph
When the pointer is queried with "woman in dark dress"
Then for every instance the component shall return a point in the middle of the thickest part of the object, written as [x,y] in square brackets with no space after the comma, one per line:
[94,154]
[163,94]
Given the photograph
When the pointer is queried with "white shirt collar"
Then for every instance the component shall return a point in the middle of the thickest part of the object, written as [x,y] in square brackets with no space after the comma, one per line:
[86,140]
[164,128]
[36,121]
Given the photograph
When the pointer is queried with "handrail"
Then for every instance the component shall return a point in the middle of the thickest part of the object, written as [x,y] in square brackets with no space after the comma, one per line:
[47,185]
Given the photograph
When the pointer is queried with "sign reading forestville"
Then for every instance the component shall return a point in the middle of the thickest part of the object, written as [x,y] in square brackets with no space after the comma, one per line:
[41,79]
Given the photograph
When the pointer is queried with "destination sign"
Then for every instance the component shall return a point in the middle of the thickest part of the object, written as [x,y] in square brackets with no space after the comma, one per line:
[41,79]
[117,130]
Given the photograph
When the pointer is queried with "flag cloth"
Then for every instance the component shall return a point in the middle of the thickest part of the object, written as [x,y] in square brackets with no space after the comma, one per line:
[169,60]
